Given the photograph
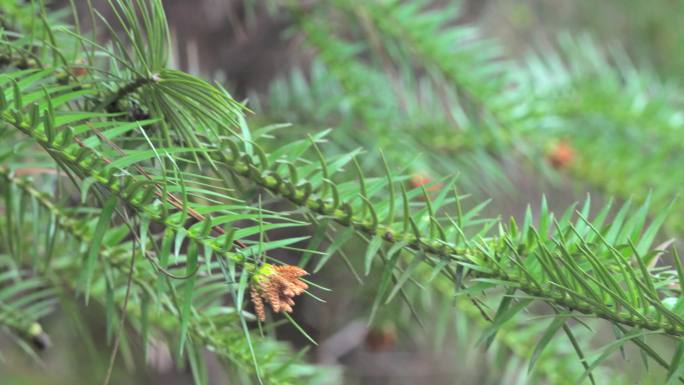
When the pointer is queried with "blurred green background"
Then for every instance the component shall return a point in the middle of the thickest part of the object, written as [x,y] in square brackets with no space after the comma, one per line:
[253,48]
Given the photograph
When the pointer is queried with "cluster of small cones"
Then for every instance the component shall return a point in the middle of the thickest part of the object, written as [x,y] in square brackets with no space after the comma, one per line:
[277,285]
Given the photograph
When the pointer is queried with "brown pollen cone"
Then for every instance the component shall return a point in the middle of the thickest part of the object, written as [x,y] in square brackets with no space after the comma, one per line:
[277,286]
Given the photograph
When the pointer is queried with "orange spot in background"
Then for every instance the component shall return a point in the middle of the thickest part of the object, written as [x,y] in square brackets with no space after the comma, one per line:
[381,339]
[561,155]
[421,179]
[79,69]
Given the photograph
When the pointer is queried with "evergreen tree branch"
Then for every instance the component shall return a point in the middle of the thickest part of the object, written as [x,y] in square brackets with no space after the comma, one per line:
[483,257]
[227,341]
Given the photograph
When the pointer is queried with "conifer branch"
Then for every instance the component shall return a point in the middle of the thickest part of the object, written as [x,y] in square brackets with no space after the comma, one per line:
[225,341]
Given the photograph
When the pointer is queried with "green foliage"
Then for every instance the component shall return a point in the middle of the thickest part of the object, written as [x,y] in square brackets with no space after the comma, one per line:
[148,188]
